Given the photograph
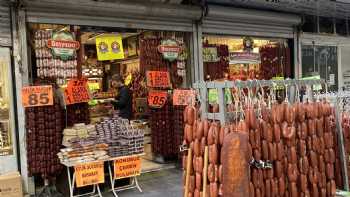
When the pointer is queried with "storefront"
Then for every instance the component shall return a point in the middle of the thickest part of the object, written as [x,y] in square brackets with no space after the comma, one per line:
[67,44]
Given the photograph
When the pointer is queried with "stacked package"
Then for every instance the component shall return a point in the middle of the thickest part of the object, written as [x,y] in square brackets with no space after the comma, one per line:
[122,138]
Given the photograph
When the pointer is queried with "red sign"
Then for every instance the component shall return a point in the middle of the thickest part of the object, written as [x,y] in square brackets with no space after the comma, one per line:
[158,79]
[63,44]
[166,49]
[76,91]
[157,99]
[184,97]
[34,96]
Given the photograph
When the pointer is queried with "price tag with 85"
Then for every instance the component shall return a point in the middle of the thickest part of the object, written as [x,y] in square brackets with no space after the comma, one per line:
[34,96]
[157,99]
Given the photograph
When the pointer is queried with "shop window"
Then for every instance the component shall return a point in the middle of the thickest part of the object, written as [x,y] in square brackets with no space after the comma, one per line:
[321,61]
[326,25]
[230,58]
[310,24]
[6,146]
[341,27]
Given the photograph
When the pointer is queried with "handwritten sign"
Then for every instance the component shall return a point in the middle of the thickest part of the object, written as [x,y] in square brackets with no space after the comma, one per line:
[157,99]
[34,96]
[89,174]
[184,97]
[127,167]
[158,79]
[76,92]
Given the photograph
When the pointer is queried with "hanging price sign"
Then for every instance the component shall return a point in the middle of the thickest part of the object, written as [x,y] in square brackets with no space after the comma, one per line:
[157,99]
[34,96]
[158,79]
[89,174]
[127,167]
[184,97]
[76,92]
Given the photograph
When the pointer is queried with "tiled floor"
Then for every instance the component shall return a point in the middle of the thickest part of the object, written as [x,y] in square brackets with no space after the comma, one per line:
[165,183]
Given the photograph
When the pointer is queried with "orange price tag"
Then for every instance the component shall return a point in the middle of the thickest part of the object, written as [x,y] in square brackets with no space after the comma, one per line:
[158,79]
[76,91]
[157,99]
[127,167]
[184,97]
[89,174]
[34,96]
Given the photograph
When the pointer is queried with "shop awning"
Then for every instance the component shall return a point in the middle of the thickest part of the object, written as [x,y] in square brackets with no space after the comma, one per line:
[147,15]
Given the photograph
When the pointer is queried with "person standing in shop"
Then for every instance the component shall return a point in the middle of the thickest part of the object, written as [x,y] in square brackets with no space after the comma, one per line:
[123,101]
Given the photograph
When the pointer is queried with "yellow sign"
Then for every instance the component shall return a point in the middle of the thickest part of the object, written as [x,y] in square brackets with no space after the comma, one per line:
[127,167]
[89,174]
[128,80]
[109,48]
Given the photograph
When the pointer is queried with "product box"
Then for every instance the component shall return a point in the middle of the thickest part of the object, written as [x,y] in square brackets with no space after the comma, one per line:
[10,185]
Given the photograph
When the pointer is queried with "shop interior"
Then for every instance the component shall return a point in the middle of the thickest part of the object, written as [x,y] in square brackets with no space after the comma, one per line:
[77,124]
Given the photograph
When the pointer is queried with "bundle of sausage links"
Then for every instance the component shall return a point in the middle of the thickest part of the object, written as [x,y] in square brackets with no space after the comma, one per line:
[298,140]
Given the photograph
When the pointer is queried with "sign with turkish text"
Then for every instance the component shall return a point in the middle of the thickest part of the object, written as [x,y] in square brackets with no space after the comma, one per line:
[170,49]
[210,54]
[184,97]
[127,167]
[244,58]
[157,99]
[158,79]
[34,96]
[109,47]
[76,91]
[63,44]
[89,174]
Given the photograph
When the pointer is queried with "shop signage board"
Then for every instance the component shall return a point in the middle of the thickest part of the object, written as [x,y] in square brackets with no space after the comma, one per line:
[245,57]
[76,91]
[157,99]
[35,96]
[184,97]
[158,79]
[109,47]
[127,167]
[63,44]
[314,87]
[170,49]
[210,54]
[89,174]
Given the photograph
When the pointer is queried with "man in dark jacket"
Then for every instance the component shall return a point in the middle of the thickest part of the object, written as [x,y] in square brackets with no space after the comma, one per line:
[123,102]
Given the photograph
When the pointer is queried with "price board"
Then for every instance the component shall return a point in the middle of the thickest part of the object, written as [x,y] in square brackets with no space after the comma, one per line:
[34,96]
[89,174]
[184,97]
[157,99]
[76,91]
[158,79]
[127,167]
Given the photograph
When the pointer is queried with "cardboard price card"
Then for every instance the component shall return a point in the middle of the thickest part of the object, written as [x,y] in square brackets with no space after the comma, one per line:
[158,79]
[89,174]
[184,97]
[76,92]
[34,96]
[127,167]
[157,99]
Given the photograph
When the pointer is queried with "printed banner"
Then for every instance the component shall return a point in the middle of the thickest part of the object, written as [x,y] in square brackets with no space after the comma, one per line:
[127,167]
[109,48]
[158,79]
[76,91]
[89,174]
[34,96]
[157,99]
[184,97]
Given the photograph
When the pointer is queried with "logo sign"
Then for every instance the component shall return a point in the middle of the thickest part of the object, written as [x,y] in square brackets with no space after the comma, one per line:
[170,49]
[89,174]
[127,167]
[63,44]
[34,96]
[210,54]
[157,99]
[158,79]
[76,91]
[109,48]
[248,44]
[244,58]
[184,97]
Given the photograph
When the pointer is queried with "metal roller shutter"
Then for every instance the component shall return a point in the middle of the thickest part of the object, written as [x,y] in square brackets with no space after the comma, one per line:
[5,25]
[154,16]
[236,21]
